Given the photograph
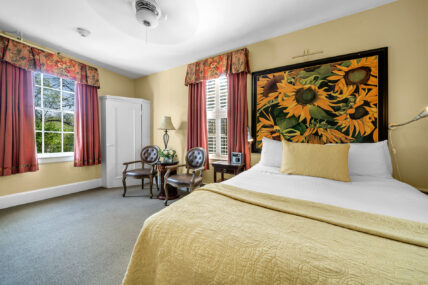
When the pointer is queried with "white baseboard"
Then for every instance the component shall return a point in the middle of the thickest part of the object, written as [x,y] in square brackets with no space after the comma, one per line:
[46,193]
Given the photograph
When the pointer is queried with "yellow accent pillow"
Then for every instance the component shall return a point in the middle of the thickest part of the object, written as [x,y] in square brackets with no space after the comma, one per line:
[327,161]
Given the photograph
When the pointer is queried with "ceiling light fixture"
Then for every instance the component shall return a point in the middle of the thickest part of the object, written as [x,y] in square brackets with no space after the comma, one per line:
[83,32]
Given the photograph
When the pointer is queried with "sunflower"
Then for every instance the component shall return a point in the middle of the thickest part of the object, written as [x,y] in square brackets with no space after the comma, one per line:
[267,88]
[267,128]
[319,135]
[300,98]
[344,93]
[361,74]
[371,96]
[361,116]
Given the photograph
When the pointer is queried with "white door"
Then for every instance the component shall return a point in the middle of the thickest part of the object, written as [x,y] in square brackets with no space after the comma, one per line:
[123,139]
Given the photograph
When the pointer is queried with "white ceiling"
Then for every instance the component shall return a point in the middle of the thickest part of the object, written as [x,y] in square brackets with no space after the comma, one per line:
[194,29]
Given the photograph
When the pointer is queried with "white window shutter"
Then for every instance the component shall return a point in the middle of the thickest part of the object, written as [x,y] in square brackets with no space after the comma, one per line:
[211,95]
[216,106]
[223,92]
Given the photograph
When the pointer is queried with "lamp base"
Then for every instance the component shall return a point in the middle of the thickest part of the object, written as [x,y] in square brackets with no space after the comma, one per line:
[165,139]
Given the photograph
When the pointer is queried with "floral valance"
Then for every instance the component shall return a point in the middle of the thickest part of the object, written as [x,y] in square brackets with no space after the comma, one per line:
[34,59]
[213,67]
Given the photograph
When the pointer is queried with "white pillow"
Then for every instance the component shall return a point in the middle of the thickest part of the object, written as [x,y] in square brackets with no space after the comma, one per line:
[370,159]
[364,159]
[271,153]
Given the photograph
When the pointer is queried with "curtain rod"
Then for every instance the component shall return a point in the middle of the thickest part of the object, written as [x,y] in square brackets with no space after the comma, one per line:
[21,40]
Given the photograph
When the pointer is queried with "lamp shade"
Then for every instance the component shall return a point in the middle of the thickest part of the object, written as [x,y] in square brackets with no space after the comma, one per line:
[250,138]
[166,123]
[422,114]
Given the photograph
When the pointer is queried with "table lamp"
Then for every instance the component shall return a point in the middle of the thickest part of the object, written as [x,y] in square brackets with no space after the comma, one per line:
[393,126]
[166,124]
[421,115]
[249,137]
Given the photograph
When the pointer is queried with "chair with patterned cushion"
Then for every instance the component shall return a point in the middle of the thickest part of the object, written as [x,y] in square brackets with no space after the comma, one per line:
[149,156]
[195,165]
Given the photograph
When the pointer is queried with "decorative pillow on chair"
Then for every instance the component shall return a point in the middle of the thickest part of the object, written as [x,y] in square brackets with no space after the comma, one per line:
[326,161]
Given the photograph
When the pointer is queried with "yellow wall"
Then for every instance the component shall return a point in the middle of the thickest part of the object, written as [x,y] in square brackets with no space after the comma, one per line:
[168,94]
[401,26]
[54,174]
[114,84]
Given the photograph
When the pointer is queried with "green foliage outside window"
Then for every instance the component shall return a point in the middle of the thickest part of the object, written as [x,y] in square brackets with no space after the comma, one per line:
[54,113]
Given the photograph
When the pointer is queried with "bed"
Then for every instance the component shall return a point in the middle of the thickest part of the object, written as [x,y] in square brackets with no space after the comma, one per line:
[264,227]
[268,227]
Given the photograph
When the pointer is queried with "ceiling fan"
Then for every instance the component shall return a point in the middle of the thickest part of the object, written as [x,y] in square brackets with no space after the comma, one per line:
[148,12]
[135,17]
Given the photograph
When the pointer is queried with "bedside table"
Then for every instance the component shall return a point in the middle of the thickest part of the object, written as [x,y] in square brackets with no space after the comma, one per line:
[226,167]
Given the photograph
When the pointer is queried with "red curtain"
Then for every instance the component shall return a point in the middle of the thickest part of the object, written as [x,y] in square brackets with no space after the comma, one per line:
[87,147]
[17,134]
[237,117]
[197,134]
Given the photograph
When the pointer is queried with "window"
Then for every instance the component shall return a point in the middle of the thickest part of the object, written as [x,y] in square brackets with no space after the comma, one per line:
[54,111]
[216,91]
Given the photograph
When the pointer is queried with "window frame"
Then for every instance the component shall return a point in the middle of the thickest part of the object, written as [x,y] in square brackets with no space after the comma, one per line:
[218,114]
[56,156]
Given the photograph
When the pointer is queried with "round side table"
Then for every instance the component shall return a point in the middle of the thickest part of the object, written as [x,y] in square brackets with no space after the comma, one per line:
[172,191]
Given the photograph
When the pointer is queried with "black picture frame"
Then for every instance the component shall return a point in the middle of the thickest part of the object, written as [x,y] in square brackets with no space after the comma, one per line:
[382,54]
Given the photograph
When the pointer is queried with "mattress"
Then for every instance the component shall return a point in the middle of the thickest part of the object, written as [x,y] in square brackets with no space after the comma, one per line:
[377,195]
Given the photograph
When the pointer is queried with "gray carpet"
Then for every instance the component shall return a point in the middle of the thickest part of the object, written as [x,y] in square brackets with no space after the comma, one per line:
[83,238]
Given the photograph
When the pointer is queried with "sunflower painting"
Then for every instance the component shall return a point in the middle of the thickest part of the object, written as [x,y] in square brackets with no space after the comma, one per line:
[334,100]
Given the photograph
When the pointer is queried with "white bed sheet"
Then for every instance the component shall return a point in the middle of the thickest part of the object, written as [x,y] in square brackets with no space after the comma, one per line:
[385,196]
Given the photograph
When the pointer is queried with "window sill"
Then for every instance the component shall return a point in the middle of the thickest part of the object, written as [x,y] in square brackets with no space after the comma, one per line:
[217,158]
[55,157]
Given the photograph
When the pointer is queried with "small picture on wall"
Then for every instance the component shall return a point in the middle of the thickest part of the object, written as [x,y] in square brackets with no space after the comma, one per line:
[334,100]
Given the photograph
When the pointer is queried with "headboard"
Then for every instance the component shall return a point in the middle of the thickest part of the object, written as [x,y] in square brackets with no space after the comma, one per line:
[340,99]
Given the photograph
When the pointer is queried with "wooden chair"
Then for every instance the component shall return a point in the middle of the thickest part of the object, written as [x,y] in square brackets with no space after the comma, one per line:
[150,156]
[195,165]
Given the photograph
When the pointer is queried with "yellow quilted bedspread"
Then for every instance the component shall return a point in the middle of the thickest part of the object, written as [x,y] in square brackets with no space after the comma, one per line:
[221,234]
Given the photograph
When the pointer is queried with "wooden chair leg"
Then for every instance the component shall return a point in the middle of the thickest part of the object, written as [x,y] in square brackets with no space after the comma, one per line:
[151,186]
[124,185]
[142,183]
[165,188]
[157,183]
